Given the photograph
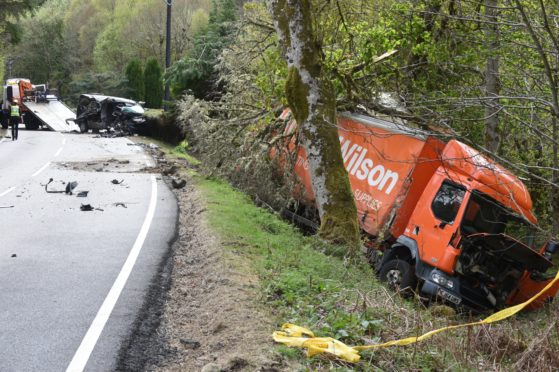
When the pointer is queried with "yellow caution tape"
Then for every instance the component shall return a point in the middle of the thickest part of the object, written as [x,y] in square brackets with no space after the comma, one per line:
[295,336]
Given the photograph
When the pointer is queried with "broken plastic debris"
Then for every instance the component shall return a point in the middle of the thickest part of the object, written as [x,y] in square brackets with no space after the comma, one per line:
[119,204]
[117,182]
[82,194]
[86,207]
[51,191]
[70,186]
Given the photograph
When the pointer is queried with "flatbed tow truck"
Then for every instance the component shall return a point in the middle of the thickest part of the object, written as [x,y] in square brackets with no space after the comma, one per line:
[39,107]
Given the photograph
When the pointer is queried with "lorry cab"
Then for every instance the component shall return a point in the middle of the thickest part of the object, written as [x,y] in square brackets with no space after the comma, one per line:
[474,237]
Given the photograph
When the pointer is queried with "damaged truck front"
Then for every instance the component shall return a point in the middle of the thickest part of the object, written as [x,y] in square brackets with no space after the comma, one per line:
[441,217]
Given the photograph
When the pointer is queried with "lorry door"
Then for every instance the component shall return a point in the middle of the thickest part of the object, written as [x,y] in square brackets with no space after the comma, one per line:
[436,221]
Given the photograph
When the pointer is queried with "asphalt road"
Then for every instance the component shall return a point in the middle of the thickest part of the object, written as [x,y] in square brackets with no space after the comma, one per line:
[72,282]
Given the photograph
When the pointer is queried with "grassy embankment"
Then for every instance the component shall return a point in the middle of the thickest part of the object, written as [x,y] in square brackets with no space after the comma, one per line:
[304,281]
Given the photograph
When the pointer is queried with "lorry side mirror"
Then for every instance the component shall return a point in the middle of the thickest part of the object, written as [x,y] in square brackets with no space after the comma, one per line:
[552,247]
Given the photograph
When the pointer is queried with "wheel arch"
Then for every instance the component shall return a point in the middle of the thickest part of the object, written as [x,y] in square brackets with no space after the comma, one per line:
[404,248]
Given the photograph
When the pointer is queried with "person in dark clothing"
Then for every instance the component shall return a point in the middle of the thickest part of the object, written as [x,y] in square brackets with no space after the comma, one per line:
[15,119]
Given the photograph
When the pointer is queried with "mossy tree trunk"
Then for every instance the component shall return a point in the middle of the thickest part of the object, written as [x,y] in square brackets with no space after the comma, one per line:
[312,100]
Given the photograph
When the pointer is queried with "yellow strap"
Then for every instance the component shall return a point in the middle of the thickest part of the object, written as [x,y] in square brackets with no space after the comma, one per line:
[295,336]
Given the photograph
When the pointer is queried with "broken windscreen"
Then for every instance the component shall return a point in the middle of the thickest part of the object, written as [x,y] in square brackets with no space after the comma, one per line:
[485,215]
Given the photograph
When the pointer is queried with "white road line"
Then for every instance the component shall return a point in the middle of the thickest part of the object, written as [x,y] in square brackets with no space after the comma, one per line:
[41,169]
[58,152]
[64,140]
[79,361]
[7,191]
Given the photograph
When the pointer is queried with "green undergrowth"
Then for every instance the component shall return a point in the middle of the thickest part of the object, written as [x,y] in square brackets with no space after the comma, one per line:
[181,151]
[303,285]
[307,282]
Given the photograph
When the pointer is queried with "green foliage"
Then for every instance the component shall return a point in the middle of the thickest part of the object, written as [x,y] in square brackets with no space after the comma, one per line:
[10,11]
[107,83]
[153,84]
[42,53]
[135,76]
[196,71]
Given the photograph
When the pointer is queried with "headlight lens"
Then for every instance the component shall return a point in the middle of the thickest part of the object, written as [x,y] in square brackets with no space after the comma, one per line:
[442,280]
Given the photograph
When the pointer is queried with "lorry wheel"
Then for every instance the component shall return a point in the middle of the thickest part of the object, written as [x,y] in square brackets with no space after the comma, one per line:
[83,127]
[399,275]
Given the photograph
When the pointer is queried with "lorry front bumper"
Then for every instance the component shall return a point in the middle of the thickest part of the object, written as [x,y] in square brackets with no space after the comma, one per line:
[461,294]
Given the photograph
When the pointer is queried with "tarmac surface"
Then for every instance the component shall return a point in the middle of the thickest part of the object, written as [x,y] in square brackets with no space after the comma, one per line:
[72,282]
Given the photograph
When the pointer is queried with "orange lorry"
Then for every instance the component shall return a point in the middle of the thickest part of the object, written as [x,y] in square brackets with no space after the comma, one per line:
[444,218]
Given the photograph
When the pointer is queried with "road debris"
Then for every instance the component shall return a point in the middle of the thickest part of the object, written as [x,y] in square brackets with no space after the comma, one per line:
[117,182]
[120,204]
[6,206]
[86,208]
[82,194]
[170,170]
[52,191]
[178,183]
[14,255]
[68,190]
[70,186]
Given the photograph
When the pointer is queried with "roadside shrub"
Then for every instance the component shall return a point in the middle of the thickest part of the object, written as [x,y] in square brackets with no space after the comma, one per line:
[153,84]
[135,76]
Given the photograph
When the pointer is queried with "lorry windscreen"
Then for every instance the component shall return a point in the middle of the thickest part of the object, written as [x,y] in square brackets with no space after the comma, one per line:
[485,215]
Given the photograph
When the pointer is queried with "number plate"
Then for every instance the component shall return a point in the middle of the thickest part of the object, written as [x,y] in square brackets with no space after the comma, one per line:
[449,297]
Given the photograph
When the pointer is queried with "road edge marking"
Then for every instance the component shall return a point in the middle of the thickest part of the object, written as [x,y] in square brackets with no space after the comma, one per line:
[81,357]
[7,191]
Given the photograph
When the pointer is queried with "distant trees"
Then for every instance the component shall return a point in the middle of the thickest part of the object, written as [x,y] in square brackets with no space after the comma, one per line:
[38,57]
[9,10]
[196,71]
[153,84]
[135,76]
[71,40]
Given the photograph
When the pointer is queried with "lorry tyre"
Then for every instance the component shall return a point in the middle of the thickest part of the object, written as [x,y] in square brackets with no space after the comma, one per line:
[399,275]
[83,127]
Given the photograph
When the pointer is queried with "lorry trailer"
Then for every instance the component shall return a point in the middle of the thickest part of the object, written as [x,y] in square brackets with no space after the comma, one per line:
[441,217]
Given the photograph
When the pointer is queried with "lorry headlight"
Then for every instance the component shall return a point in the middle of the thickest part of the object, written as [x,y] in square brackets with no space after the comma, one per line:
[441,280]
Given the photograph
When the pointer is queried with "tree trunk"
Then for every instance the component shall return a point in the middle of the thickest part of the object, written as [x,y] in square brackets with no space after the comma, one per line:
[312,100]
[492,136]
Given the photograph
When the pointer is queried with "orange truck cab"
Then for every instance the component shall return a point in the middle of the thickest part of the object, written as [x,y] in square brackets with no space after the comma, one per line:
[446,219]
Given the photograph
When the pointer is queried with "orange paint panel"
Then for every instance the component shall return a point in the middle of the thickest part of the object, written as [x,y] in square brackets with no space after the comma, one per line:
[378,162]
